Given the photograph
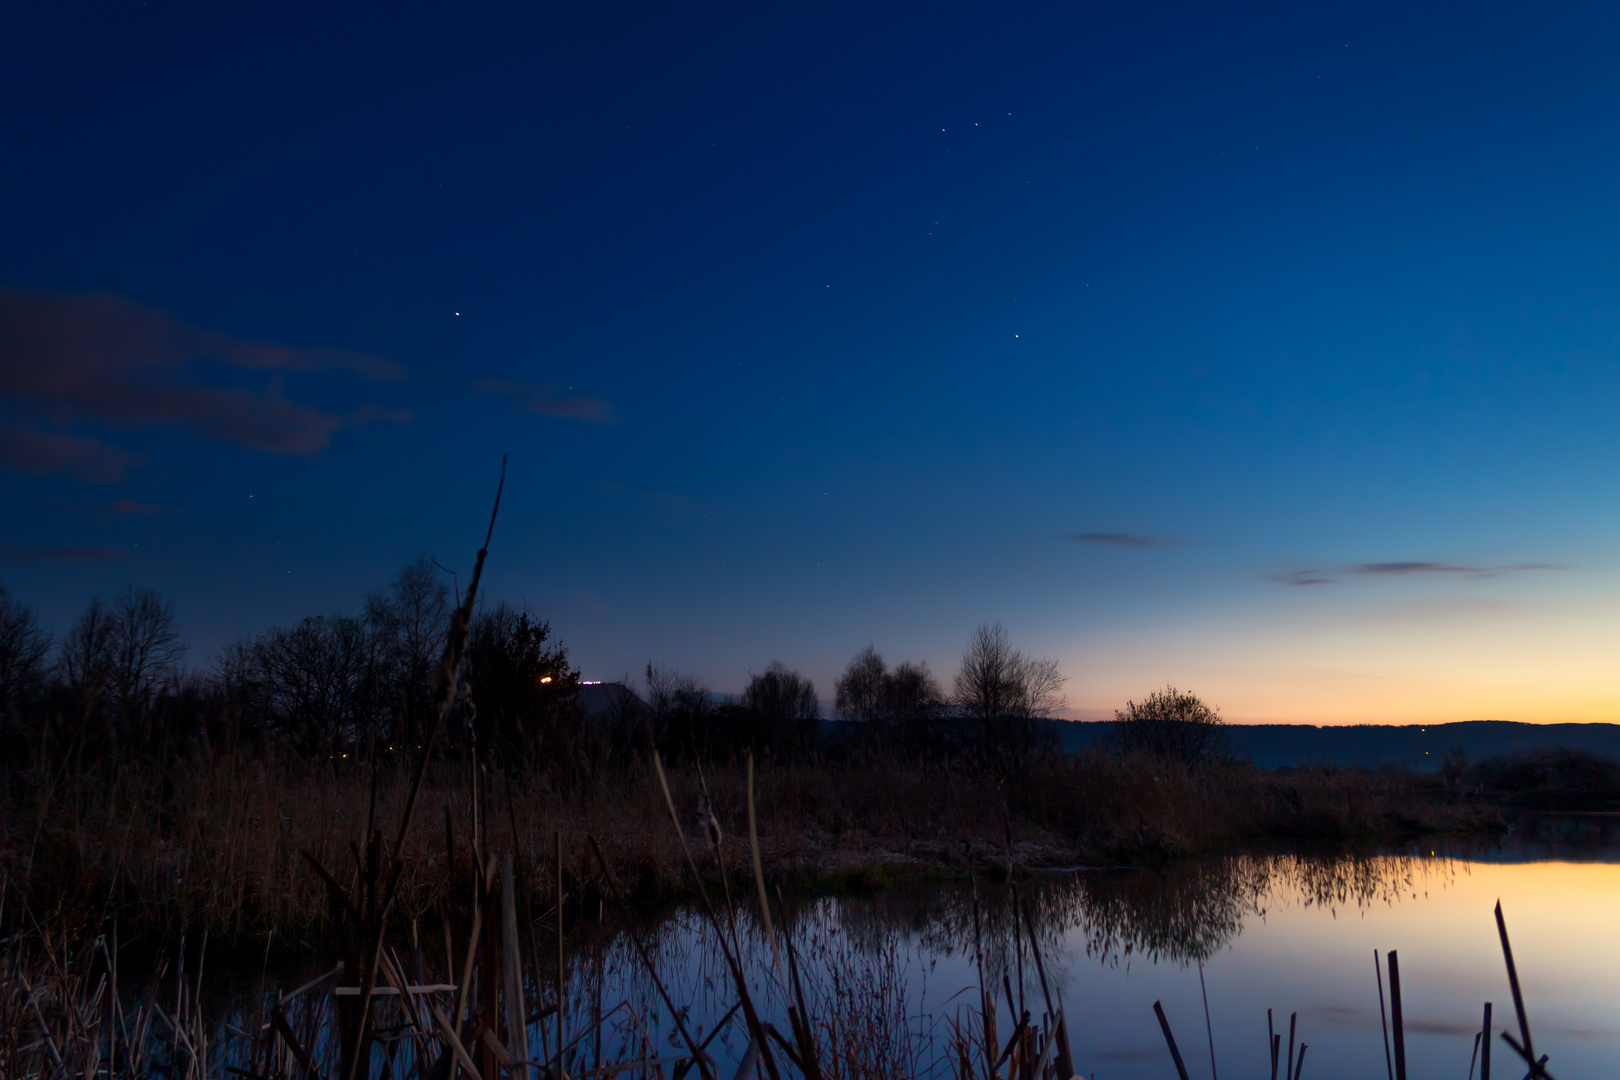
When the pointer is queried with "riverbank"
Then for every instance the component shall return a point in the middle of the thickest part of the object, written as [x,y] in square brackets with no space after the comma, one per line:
[221,840]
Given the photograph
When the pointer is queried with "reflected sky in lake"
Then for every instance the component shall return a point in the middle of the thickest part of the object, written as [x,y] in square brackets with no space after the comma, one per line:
[1292,933]
[1316,959]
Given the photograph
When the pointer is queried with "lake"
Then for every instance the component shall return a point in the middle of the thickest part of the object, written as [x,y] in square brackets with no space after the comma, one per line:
[1294,933]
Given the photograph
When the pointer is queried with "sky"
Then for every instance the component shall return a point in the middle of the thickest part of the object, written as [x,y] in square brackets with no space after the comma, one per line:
[1265,350]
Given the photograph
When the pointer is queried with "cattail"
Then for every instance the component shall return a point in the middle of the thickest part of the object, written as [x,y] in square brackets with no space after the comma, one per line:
[707,821]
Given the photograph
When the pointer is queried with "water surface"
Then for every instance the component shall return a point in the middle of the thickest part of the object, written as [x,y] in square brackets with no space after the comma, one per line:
[898,973]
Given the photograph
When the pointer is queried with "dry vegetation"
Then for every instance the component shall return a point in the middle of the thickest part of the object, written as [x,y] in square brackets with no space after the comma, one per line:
[218,840]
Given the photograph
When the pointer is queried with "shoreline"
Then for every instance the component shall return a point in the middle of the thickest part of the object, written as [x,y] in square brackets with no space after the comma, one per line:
[220,843]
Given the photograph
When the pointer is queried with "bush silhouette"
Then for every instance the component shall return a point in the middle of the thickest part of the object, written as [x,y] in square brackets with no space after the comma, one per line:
[1173,724]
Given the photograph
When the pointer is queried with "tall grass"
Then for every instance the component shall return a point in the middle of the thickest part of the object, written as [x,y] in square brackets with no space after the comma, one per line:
[217,840]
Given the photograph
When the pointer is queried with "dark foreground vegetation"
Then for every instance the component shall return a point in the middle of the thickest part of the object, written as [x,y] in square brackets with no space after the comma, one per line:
[352,787]
[218,841]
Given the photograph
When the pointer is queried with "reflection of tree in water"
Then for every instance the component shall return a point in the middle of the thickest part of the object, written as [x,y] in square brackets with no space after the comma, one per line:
[1190,912]
[1360,881]
[1182,913]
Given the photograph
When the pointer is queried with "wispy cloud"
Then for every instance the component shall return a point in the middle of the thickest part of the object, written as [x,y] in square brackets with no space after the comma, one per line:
[547,401]
[1397,568]
[1304,577]
[40,452]
[1126,539]
[70,555]
[93,358]
[1327,575]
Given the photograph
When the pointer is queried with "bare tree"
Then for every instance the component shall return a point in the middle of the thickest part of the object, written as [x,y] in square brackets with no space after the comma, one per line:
[415,613]
[681,709]
[1002,690]
[1042,691]
[145,645]
[1173,724]
[778,714]
[900,705]
[321,682]
[668,689]
[331,685]
[235,674]
[858,693]
[84,662]
[84,659]
[781,694]
[912,702]
[24,645]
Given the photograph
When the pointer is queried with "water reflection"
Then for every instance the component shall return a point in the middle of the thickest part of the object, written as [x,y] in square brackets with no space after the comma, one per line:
[888,975]
[1181,914]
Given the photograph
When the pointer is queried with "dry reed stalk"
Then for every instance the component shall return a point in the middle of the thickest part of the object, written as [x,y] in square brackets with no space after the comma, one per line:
[1538,1066]
[755,1027]
[1382,1018]
[652,969]
[512,968]
[1396,1020]
[1170,1039]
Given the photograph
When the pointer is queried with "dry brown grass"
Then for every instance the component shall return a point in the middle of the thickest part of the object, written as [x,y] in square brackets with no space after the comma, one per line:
[218,841]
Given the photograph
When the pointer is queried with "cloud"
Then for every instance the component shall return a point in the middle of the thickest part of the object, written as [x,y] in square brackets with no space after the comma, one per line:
[1304,577]
[1406,568]
[38,453]
[106,360]
[130,506]
[93,335]
[1443,568]
[69,555]
[1329,575]
[1126,539]
[546,401]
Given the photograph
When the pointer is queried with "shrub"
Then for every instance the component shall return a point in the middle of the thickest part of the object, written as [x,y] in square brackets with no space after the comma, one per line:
[1173,724]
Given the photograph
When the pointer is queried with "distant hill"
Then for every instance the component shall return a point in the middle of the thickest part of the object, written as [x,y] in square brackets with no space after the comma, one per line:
[1414,746]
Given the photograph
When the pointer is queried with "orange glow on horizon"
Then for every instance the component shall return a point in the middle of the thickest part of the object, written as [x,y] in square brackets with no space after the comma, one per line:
[1537,659]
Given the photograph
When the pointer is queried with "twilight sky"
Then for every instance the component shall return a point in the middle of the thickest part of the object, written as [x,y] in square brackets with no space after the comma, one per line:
[1266,350]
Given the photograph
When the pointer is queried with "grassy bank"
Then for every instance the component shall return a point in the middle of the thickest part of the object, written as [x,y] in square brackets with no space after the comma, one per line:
[218,840]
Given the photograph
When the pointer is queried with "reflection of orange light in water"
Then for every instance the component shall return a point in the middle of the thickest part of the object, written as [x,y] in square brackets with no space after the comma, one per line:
[1564,922]
[1563,918]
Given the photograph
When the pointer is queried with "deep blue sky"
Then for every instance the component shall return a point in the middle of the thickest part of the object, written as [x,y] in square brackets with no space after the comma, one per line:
[809,326]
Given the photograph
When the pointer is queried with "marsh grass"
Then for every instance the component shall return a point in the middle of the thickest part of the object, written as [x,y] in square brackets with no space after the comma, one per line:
[216,841]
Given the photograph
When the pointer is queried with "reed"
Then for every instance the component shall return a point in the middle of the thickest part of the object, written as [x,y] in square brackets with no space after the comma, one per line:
[218,839]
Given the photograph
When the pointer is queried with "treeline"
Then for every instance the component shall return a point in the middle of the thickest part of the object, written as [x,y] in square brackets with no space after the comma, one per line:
[330,687]
[992,711]
[356,688]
